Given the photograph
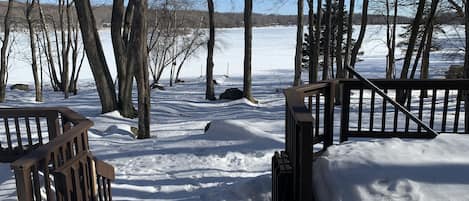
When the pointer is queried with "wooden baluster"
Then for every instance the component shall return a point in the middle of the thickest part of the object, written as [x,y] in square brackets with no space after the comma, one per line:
[432,111]
[36,182]
[360,109]
[372,109]
[456,115]
[105,189]
[383,117]
[317,117]
[18,135]
[7,131]
[421,101]
[39,132]
[409,102]
[394,126]
[28,131]
[445,111]
[100,188]
[78,187]
[109,189]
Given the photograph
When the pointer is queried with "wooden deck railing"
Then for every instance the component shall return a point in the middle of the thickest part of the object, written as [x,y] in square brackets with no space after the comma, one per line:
[366,112]
[40,141]
[437,103]
[303,131]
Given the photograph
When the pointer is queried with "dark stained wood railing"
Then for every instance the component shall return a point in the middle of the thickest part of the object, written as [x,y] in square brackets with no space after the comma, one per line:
[309,111]
[24,130]
[369,109]
[42,142]
[437,103]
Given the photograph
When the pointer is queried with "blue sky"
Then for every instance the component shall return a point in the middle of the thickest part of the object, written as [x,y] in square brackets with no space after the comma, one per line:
[260,6]
[268,6]
[286,7]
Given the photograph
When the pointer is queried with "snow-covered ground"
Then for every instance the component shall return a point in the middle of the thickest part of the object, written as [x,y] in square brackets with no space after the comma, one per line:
[231,161]
[395,169]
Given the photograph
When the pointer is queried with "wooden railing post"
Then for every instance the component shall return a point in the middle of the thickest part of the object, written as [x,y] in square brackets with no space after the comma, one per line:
[305,161]
[53,124]
[23,184]
[344,117]
[329,96]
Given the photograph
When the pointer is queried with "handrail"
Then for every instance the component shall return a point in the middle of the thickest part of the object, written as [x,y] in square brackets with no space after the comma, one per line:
[37,155]
[393,102]
[66,139]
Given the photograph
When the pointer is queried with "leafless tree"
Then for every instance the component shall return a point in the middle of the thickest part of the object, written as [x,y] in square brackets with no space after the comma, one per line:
[29,6]
[247,83]
[139,58]
[339,39]
[327,41]
[4,51]
[299,43]
[317,38]
[174,35]
[412,39]
[348,45]
[361,35]
[190,45]
[120,32]
[136,53]
[95,54]
[313,55]
[210,91]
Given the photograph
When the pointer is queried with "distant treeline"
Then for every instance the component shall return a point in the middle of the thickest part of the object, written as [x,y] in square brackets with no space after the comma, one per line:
[223,20]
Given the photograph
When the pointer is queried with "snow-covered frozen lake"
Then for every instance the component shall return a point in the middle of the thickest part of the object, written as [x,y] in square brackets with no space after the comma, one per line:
[273,50]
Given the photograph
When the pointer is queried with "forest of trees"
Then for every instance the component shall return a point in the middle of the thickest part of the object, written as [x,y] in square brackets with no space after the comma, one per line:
[149,36]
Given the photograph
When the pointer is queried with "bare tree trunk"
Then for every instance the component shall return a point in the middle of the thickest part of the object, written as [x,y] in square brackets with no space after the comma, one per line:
[412,39]
[191,48]
[392,58]
[313,54]
[361,35]
[75,63]
[3,52]
[210,91]
[426,53]
[55,81]
[299,43]
[348,45]
[32,42]
[419,54]
[124,71]
[95,54]
[317,44]
[340,33]
[327,41]
[66,45]
[247,50]
[138,58]
[388,41]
